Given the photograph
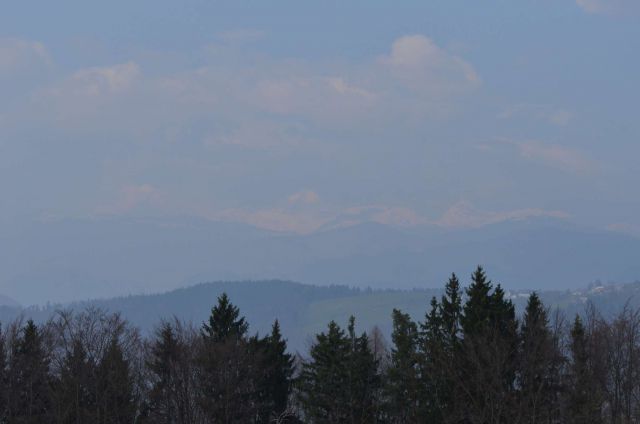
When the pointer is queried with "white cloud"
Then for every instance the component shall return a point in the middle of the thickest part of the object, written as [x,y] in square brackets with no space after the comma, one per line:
[261,103]
[131,197]
[591,6]
[329,100]
[417,79]
[259,135]
[563,158]
[561,117]
[309,220]
[609,6]
[625,228]
[102,80]
[205,115]
[341,86]
[538,112]
[399,217]
[421,64]
[245,35]
[18,55]
[560,157]
[463,214]
[98,100]
[382,214]
[277,219]
[304,214]
[305,197]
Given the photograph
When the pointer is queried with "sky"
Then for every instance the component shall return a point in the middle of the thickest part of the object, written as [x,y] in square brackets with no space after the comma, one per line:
[291,115]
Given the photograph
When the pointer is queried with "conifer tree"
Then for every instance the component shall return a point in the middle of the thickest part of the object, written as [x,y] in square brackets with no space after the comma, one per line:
[433,364]
[170,397]
[486,381]
[30,397]
[585,395]
[537,361]
[503,321]
[451,311]
[364,381]
[116,401]
[447,358]
[163,357]
[4,381]
[487,310]
[502,315]
[229,382]
[341,382]
[403,377]
[478,306]
[224,322]
[75,389]
[277,369]
[323,384]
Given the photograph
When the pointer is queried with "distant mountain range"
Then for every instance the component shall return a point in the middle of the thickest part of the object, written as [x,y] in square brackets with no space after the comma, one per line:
[304,310]
[68,260]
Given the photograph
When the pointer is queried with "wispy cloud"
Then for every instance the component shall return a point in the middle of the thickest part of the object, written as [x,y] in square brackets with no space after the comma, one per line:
[305,197]
[132,197]
[537,112]
[103,80]
[609,6]
[326,99]
[97,100]
[305,213]
[277,104]
[17,55]
[308,220]
[421,64]
[276,219]
[383,214]
[417,80]
[259,135]
[463,214]
[243,35]
[625,228]
[560,157]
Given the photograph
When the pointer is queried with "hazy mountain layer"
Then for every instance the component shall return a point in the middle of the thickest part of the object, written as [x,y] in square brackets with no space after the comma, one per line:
[68,260]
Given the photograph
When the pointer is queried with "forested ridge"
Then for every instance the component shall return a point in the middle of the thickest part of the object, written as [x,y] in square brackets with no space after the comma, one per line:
[470,359]
[308,308]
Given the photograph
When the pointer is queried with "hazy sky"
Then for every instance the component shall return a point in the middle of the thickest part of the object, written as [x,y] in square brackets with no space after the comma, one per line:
[292,114]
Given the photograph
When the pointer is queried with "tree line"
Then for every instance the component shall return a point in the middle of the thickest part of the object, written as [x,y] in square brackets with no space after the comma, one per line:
[470,360]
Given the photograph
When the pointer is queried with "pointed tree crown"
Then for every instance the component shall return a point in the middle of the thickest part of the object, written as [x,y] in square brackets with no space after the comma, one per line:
[478,305]
[535,315]
[225,322]
[486,307]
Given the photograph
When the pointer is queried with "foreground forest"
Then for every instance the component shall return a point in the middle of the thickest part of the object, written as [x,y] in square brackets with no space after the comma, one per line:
[470,359]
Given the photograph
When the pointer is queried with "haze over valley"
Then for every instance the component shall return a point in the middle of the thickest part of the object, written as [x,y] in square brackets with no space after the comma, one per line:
[72,260]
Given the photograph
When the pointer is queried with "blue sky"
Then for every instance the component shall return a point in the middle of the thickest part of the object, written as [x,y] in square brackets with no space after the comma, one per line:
[293,115]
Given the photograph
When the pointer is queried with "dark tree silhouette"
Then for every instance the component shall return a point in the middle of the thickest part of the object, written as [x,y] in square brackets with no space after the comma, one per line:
[30,395]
